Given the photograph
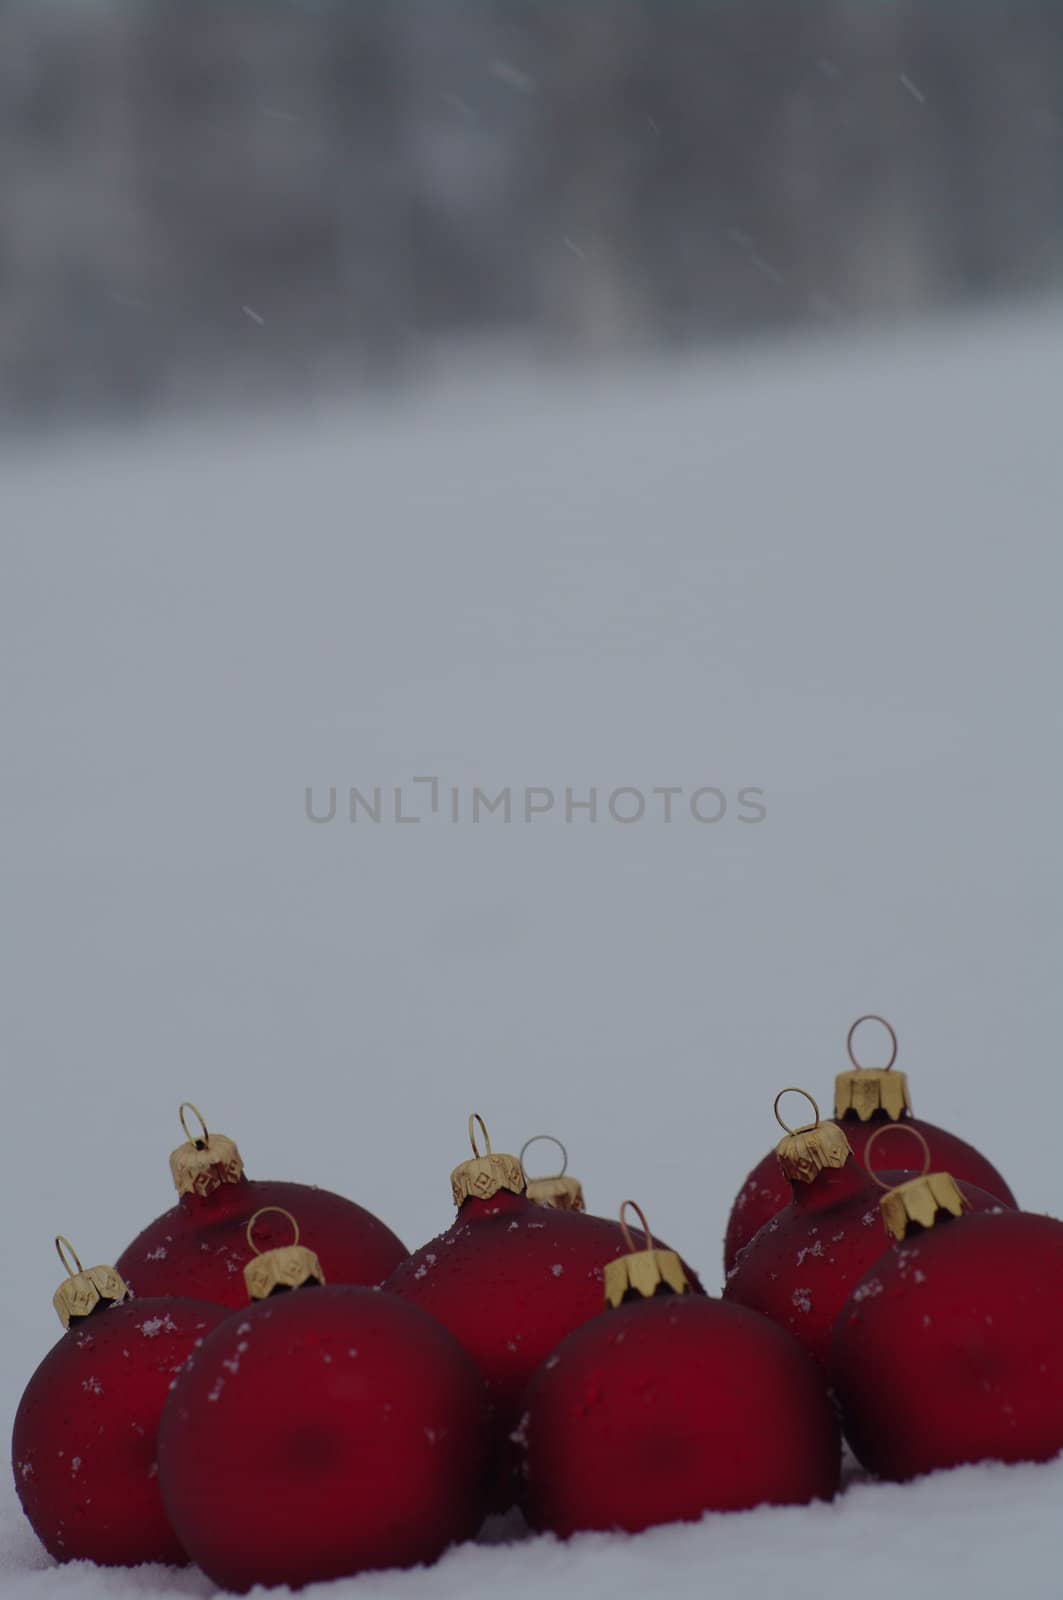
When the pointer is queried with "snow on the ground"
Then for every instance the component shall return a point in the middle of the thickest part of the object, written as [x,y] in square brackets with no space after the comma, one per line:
[978,1532]
[830,573]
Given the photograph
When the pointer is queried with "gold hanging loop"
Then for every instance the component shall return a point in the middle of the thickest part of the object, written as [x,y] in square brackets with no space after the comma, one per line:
[898,1127]
[68,1256]
[784,1125]
[806,1151]
[262,1212]
[645,1271]
[872,1016]
[549,1138]
[476,1118]
[626,1231]
[198,1139]
[485,1174]
[286,1266]
[81,1292]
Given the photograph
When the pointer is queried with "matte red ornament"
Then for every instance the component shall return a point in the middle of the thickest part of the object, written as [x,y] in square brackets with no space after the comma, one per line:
[509,1278]
[321,1433]
[199,1248]
[84,1442]
[950,1349]
[670,1406]
[801,1266]
[865,1099]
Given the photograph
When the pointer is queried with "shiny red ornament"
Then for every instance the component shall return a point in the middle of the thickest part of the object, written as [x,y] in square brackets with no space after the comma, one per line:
[199,1247]
[951,1349]
[323,1432]
[801,1266]
[865,1099]
[670,1406]
[509,1278]
[84,1442]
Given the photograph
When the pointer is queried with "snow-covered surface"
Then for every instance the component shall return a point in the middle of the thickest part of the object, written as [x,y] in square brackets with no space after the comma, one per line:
[976,1533]
[830,573]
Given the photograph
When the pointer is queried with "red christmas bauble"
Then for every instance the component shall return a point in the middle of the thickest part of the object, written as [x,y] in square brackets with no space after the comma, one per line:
[865,1099]
[762,1196]
[323,1432]
[84,1441]
[950,1349]
[801,1266]
[509,1278]
[199,1247]
[670,1407]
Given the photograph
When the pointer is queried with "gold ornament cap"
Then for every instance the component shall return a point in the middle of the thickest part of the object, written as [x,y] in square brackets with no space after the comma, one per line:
[483,1176]
[920,1201]
[290,1266]
[807,1151]
[83,1291]
[558,1192]
[642,1274]
[863,1091]
[206,1160]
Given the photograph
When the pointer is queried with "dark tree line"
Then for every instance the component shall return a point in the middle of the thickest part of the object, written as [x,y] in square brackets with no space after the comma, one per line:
[290,193]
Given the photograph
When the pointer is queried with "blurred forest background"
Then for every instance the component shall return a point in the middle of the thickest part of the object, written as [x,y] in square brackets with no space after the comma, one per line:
[219,198]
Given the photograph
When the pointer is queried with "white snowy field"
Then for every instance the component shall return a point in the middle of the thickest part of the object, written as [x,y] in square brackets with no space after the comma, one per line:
[979,1533]
[828,572]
